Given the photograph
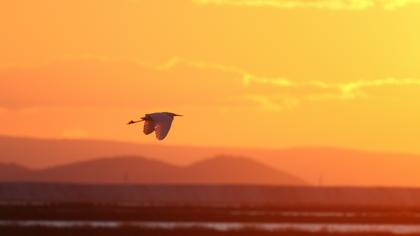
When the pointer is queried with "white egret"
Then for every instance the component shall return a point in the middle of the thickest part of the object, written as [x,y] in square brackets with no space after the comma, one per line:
[160,122]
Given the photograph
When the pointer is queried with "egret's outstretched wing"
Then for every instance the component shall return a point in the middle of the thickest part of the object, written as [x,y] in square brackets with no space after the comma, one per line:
[149,127]
[162,125]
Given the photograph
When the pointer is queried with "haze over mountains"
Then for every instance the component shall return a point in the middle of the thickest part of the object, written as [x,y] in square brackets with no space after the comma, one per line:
[137,170]
[327,166]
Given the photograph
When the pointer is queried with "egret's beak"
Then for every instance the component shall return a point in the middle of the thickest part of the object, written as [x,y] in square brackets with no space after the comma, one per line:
[177,115]
[133,121]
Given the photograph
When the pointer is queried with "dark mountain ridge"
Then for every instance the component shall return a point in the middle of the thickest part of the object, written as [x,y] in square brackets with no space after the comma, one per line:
[329,166]
[139,170]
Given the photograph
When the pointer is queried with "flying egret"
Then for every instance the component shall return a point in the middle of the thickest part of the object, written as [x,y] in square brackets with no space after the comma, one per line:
[160,122]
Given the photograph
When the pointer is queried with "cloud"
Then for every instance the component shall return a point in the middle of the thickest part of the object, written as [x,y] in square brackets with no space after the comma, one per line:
[317,4]
[351,89]
[345,90]
[175,83]
[280,93]
[394,4]
[107,83]
[273,103]
[294,91]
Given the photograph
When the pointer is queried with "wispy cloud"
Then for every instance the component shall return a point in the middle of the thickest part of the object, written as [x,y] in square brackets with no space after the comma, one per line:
[393,4]
[317,4]
[272,103]
[351,89]
[345,90]
[290,93]
[121,84]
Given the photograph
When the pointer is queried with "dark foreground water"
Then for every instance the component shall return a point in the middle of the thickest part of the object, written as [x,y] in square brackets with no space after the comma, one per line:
[126,220]
[225,226]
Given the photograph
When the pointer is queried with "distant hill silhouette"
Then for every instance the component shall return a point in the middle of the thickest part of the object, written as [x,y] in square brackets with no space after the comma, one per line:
[237,170]
[323,165]
[137,170]
[13,172]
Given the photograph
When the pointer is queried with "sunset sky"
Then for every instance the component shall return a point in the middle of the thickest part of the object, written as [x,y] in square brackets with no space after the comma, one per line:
[244,73]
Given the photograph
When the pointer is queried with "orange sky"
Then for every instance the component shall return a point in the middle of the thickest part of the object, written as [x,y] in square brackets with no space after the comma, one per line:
[275,73]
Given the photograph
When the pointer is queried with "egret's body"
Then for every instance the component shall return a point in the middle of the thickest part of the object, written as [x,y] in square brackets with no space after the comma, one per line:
[158,122]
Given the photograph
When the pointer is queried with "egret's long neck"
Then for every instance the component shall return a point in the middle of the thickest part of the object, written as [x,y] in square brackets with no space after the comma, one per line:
[134,121]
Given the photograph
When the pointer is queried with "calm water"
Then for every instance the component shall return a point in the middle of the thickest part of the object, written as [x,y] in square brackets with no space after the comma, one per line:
[322,214]
[308,227]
